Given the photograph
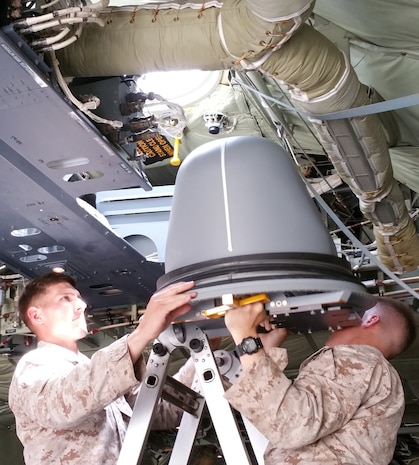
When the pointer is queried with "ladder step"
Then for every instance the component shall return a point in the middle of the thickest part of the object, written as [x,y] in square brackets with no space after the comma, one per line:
[180,395]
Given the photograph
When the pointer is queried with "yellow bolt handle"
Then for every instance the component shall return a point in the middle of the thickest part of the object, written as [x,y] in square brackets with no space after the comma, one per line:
[219,311]
[175,160]
[252,299]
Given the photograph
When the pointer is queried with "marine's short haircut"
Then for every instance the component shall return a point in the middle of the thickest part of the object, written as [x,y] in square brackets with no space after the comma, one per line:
[403,316]
[37,287]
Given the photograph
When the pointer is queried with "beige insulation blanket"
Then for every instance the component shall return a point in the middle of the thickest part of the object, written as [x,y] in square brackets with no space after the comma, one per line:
[272,37]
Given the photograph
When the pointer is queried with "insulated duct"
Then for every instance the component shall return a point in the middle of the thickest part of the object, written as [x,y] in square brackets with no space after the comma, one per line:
[270,36]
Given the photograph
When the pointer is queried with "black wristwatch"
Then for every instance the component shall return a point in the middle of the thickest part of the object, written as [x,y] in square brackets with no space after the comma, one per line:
[249,345]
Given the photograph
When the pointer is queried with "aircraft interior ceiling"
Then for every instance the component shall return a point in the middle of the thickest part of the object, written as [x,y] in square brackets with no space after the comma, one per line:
[91,144]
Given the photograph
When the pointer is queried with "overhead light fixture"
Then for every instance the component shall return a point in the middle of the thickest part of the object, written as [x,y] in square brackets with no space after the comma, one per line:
[58,269]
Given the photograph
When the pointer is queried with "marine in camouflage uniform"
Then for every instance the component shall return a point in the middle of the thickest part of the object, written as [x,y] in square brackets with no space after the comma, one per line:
[58,399]
[345,407]
[72,410]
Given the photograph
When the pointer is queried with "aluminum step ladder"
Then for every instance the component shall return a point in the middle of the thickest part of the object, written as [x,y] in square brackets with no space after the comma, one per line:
[236,447]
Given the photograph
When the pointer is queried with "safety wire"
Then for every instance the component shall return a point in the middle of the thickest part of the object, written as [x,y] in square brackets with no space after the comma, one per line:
[84,107]
[358,243]
[54,30]
[61,27]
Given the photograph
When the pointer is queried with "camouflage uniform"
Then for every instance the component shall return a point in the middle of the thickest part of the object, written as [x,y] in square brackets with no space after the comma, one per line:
[345,407]
[74,410]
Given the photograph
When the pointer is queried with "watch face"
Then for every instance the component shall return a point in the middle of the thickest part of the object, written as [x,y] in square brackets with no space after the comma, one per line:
[249,345]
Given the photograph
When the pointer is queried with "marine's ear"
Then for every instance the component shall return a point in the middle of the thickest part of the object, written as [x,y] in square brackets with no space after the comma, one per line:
[370,319]
[35,315]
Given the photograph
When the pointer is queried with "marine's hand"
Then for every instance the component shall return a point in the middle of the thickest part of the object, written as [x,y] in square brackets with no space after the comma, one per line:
[162,309]
[243,321]
[165,306]
[274,338]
